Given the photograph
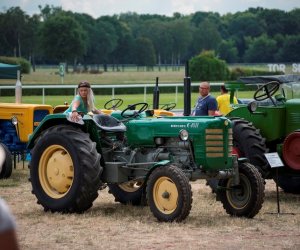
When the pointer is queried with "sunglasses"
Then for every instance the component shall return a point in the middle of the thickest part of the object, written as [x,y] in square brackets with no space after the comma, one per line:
[84,85]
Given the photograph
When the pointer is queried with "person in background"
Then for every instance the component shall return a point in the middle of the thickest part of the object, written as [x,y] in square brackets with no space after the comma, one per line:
[206,104]
[223,101]
[83,102]
[8,237]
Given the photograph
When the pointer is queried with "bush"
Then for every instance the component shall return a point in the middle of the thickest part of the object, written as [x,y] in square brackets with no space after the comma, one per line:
[242,72]
[25,64]
[207,67]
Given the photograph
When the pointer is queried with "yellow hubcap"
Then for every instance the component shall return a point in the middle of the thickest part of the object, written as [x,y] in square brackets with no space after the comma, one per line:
[165,195]
[56,171]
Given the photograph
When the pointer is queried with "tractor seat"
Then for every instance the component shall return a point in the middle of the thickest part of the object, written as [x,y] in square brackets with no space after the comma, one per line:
[109,123]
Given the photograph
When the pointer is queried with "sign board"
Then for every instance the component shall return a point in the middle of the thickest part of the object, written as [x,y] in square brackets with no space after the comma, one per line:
[61,69]
[274,160]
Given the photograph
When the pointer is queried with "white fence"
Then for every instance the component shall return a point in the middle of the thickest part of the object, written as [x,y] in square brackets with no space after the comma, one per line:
[112,87]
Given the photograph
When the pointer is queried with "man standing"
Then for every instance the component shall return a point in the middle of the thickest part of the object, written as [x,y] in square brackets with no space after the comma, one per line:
[206,104]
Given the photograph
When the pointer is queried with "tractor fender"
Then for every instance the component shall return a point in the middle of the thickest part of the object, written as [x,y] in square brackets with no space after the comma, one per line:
[155,166]
[50,121]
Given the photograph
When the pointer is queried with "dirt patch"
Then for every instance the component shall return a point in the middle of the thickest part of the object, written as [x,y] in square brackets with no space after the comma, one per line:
[110,225]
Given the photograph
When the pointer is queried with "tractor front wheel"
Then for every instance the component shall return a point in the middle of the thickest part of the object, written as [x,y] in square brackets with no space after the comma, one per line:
[169,194]
[65,170]
[246,198]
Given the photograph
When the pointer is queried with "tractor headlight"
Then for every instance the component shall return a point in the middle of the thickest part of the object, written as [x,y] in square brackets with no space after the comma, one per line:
[183,135]
[252,106]
[14,120]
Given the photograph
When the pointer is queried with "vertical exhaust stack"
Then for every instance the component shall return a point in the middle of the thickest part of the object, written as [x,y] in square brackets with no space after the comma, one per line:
[18,88]
[187,92]
[156,96]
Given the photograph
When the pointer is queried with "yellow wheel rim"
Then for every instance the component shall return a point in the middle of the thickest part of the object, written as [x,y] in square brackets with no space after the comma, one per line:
[165,195]
[239,198]
[56,171]
[131,186]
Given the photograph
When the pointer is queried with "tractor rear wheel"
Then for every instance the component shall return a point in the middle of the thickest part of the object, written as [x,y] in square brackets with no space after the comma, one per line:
[249,143]
[245,199]
[289,183]
[5,161]
[132,192]
[65,170]
[169,194]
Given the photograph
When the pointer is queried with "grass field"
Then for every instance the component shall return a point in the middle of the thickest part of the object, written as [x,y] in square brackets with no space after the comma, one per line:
[51,76]
[111,225]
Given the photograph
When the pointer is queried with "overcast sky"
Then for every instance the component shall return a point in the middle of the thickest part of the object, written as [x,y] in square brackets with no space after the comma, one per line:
[97,8]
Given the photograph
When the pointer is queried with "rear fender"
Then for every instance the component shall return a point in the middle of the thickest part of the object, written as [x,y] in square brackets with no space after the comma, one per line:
[53,120]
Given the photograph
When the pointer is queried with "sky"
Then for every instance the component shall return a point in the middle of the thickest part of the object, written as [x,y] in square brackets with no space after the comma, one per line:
[97,8]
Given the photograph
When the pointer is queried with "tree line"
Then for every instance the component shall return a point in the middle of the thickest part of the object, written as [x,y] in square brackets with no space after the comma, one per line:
[256,35]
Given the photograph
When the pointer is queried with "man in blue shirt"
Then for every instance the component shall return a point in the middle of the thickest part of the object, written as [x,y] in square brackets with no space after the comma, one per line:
[206,104]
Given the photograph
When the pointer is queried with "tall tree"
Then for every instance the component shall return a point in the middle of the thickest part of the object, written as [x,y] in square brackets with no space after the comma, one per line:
[261,49]
[227,51]
[274,20]
[144,52]
[205,37]
[182,36]
[13,30]
[62,38]
[161,36]
[290,50]
[244,25]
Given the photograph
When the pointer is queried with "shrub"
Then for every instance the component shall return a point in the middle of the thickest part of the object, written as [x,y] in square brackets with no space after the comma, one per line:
[240,72]
[207,67]
[25,64]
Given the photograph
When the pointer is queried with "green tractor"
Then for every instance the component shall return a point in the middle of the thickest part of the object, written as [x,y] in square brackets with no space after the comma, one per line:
[270,123]
[150,161]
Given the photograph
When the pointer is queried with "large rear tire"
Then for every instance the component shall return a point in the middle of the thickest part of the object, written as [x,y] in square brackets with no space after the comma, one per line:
[5,161]
[132,192]
[245,199]
[249,143]
[289,183]
[169,194]
[65,170]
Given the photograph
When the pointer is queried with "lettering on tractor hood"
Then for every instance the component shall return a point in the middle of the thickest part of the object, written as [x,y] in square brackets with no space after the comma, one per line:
[188,125]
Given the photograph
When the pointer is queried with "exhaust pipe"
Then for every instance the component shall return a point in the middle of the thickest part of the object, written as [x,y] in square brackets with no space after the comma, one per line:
[156,96]
[18,90]
[187,92]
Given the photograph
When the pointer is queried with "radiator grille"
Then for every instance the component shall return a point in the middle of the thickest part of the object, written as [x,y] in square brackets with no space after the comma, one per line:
[215,144]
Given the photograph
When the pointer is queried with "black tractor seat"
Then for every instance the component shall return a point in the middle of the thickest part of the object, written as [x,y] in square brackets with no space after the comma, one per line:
[109,123]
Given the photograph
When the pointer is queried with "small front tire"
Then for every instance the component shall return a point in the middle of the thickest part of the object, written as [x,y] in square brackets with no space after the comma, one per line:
[169,194]
[245,199]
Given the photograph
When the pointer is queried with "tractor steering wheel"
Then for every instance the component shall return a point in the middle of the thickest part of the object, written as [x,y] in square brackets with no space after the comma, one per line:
[266,91]
[132,107]
[113,104]
[168,106]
